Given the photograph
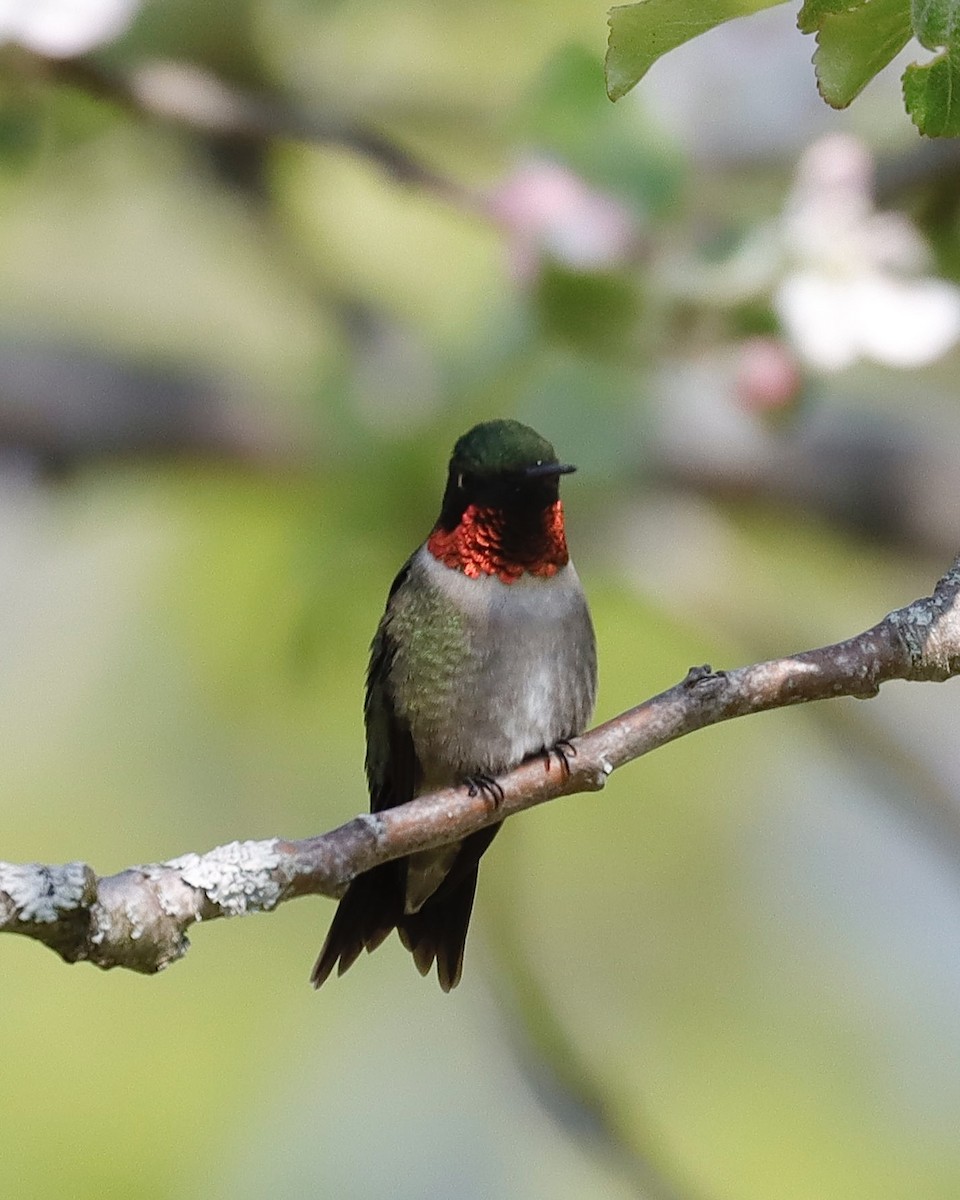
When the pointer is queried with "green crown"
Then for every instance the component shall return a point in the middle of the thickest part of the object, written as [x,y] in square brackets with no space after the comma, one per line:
[496,446]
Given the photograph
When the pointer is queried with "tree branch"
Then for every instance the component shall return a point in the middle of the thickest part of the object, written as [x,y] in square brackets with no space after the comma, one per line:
[138,919]
[185,95]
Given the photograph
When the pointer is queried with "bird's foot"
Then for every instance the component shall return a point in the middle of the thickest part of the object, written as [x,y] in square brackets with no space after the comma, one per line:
[564,750]
[486,786]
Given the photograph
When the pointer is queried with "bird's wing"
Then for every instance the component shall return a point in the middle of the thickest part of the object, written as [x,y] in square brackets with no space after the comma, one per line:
[393,771]
[373,904]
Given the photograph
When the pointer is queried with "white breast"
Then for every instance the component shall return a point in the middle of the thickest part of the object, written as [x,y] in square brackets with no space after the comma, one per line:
[529,676]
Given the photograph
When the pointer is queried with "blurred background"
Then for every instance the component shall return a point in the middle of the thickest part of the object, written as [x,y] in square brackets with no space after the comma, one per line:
[261,262]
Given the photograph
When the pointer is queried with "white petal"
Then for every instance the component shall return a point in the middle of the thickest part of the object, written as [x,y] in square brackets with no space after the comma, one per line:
[906,323]
[817,316]
[64,28]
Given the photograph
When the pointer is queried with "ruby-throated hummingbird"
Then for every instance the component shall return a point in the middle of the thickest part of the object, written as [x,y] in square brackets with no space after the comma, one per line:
[484,656]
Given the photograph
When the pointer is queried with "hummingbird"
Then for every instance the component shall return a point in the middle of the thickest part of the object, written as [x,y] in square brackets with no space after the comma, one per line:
[485,656]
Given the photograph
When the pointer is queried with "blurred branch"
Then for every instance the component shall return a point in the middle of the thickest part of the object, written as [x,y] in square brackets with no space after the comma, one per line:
[63,407]
[138,918]
[188,96]
[880,476]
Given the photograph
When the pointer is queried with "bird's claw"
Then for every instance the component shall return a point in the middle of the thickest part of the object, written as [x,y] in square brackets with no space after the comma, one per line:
[564,750]
[486,786]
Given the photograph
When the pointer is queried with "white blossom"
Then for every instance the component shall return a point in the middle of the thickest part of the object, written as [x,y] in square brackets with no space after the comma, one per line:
[853,285]
[64,28]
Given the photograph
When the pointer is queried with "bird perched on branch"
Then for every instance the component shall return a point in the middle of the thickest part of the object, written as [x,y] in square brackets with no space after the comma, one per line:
[484,656]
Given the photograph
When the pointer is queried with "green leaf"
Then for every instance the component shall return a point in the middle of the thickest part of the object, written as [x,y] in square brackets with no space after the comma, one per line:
[811,15]
[854,45]
[643,32]
[936,23]
[931,92]
[932,95]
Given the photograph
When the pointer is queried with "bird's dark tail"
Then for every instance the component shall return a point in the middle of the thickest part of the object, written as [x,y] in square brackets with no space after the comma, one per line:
[371,908]
[373,905]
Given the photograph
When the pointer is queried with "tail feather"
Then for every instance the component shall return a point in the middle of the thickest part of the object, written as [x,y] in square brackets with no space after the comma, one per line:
[368,912]
[438,932]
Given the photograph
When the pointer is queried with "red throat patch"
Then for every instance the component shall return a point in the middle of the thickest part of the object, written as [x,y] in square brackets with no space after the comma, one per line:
[477,546]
